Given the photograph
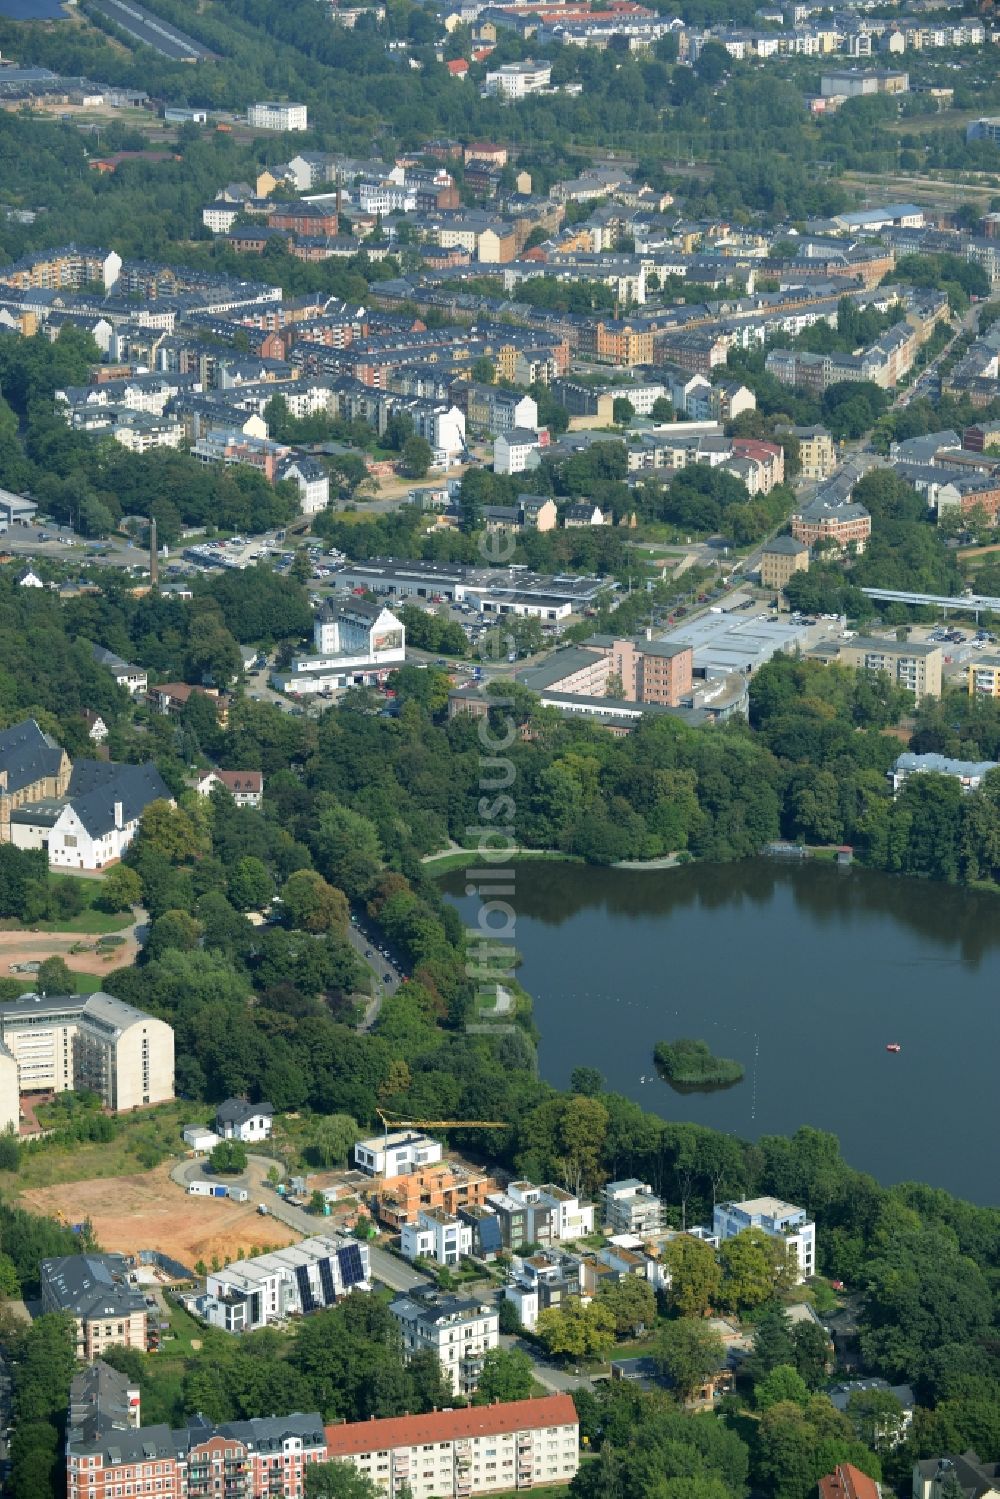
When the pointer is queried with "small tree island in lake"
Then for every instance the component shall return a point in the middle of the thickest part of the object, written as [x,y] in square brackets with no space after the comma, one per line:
[689,1064]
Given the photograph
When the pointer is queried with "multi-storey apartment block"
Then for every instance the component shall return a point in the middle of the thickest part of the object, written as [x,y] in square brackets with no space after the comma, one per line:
[95,1041]
[780,1220]
[264,1458]
[459,1331]
[302,1278]
[98,1292]
[453,1454]
[273,115]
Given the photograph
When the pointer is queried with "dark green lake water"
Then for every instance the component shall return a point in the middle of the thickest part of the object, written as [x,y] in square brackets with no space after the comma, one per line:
[803,974]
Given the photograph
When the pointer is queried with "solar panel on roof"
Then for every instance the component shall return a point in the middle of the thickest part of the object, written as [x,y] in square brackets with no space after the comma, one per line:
[489,1235]
[351,1269]
[306,1298]
[326,1281]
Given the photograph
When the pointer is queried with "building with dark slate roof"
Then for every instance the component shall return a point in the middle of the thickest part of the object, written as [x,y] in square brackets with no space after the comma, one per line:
[101,1400]
[265,1455]
[32,766]
[98,1291]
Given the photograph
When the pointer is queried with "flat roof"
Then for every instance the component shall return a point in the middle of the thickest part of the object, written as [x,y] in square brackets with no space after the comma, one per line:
[891,647]
[555,668]
[735,642]
[306,1252]
[767,1207]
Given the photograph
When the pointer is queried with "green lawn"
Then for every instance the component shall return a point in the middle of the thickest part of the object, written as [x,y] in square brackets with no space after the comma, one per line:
[638,1347]
[461,858]
[183,1328]
[90,920]
[146,1131]
[84,983]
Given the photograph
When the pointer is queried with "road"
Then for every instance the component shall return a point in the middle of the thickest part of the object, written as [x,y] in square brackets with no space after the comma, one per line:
[969,324]
[386,1268]
[386,975]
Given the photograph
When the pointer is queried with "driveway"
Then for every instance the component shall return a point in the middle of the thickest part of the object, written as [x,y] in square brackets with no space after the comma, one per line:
[386,1268]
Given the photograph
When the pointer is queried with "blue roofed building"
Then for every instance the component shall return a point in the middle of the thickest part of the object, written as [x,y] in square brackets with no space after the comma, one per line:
[968,773]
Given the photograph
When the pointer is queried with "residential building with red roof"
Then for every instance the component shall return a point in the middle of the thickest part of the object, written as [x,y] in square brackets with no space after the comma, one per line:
[246,787]
[479,1450]
[848,1482]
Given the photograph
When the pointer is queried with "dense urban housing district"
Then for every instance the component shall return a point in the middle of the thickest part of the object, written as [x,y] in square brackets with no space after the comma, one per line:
[450,454]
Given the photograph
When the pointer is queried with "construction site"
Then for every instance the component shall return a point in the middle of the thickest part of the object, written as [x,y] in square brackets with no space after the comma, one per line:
[150,1210]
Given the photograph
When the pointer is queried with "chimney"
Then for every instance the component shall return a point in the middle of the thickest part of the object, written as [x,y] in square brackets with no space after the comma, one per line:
[154,560]
[649,632]
[119,815]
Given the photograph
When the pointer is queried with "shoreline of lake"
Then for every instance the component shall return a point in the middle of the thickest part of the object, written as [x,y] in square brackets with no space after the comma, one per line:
[803,972]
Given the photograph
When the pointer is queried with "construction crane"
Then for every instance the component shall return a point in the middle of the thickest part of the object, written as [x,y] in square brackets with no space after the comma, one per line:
[393,1121]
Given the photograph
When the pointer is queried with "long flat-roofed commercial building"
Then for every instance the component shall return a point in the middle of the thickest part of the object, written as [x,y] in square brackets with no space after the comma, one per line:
[518,1444]
[738,642]
[491,589]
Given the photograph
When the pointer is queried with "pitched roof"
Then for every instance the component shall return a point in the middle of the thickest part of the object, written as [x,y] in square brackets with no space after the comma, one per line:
[101,1399]
[110,660]
[26,755]
[96,785]
[448,1425]
[179,690]
[848,1482]
[784,546]
[247,782]
[976,1478]
[92,1285]
[238,1111]
[309,468]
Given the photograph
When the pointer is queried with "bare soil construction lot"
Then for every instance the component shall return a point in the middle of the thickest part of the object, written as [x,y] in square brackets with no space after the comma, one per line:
[35,947]
[149,1211]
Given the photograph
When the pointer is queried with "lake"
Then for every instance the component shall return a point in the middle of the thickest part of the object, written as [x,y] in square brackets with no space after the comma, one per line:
[33,10]
[804,974]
